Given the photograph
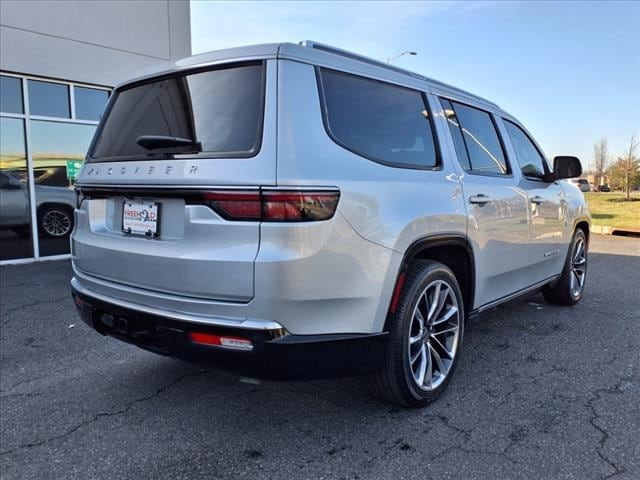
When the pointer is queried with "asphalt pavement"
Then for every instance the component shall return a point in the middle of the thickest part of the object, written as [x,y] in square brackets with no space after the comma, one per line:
[540,392]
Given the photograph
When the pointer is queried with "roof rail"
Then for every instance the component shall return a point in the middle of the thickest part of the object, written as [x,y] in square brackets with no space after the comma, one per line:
[361,58]
[377,63]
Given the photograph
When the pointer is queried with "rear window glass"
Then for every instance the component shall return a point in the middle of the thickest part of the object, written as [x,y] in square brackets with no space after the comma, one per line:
[219,111]
[380,121]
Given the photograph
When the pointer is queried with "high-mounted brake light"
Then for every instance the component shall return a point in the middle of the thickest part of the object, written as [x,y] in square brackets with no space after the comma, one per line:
[273,205]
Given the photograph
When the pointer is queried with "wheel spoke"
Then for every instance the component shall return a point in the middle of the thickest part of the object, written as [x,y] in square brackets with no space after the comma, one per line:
[578,251]
[446,330]
[422,368]
[451,311]
[428,372]
[433,302]
[441,346]
[416,339]
[442,300]
[436,357]
[418,353]
[418,316]
[420,321]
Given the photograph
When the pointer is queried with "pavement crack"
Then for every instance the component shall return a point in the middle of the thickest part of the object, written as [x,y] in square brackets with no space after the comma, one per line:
[100,415]
[21,382]
[12,395]
[594,416]
[530,380]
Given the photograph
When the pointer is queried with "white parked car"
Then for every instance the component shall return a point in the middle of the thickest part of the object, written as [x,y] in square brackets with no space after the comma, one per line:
[292,211]
[54,207]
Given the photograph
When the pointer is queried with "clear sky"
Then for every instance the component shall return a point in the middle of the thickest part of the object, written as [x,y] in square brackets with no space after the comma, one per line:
[569,70]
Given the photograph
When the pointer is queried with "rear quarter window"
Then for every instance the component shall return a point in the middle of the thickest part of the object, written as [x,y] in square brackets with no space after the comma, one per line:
[383,122]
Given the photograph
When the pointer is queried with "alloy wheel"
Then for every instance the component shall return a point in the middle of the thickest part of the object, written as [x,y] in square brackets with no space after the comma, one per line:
[578,267]
[433,335]
[56,223]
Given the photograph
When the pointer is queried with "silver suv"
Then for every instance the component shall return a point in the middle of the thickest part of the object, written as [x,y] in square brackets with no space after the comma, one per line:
[289,211]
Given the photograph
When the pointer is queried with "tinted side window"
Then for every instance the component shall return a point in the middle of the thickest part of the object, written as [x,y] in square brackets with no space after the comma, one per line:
[377,120]
[480,138]
[529,158]
[456,133]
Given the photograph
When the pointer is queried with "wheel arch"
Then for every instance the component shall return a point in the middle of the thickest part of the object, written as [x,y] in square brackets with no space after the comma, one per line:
[62,205]
[582,224]
[452,250]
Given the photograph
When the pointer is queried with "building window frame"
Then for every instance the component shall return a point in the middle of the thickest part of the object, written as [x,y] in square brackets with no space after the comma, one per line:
[27,117]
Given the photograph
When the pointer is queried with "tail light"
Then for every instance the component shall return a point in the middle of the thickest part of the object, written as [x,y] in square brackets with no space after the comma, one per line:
[273,205]
[235,205]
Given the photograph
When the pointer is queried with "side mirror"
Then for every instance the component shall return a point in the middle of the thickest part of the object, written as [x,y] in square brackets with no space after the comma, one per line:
[566,167]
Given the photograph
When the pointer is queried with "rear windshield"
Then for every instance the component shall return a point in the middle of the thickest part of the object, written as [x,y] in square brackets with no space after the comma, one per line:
[220,111]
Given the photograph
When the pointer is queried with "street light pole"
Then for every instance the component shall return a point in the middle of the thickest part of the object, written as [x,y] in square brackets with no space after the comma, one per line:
[396,57]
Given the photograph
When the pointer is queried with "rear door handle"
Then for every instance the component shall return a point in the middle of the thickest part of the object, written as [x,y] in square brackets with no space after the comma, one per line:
[480,199]
[537,200]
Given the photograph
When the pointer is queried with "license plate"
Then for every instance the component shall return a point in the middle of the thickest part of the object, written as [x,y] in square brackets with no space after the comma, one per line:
[140,217]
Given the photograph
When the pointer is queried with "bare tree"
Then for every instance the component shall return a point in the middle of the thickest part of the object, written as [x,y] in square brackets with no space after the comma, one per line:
[629,166]
[600,160]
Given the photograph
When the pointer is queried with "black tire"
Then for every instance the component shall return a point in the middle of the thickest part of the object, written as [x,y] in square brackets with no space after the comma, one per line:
[563,291]
[396,381]
[55,221]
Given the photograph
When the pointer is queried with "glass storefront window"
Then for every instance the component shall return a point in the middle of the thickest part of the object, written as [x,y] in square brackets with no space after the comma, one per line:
[49,99]
[10,94]
[15,212]
[50,151]
[90,102]
[55,147]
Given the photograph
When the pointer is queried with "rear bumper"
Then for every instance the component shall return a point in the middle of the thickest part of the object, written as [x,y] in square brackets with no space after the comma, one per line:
[276,354]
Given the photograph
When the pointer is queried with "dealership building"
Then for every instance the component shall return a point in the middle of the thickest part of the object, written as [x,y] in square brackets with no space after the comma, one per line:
[59,61]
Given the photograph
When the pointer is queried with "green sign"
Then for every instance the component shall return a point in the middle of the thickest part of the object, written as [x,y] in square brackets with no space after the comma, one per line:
[73,168]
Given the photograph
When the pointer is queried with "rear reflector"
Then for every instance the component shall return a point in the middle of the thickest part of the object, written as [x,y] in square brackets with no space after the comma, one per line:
[273,205]
[236,343]
[396,292]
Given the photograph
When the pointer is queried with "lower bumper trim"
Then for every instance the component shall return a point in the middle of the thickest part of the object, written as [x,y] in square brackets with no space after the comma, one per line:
[276,354]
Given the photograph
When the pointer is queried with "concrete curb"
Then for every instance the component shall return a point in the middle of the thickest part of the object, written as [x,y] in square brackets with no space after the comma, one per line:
[601,230]
[606,230]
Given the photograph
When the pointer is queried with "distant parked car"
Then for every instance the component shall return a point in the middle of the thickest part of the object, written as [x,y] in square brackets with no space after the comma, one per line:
[581,183]
[54,206]
[604,188]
